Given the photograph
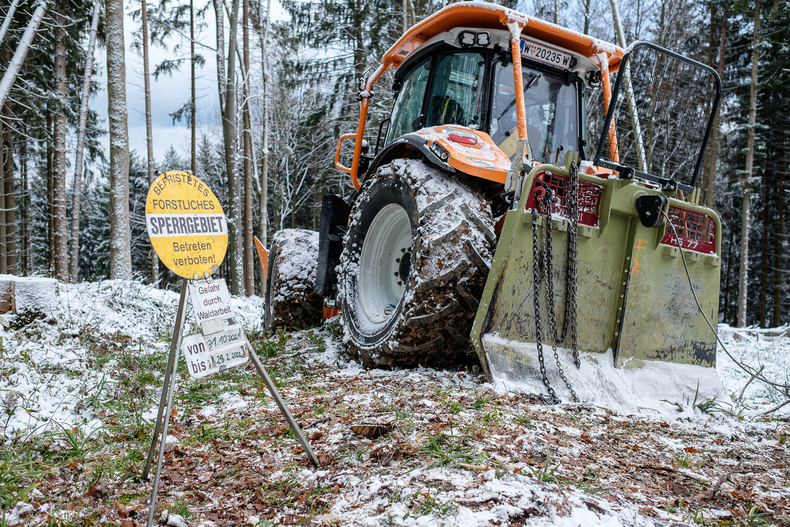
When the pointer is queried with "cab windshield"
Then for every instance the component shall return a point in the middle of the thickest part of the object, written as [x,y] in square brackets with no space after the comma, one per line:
[456,95]
[450,89]
[551,109]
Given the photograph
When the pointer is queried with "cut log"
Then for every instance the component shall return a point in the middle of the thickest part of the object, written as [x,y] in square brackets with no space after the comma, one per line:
[28,295]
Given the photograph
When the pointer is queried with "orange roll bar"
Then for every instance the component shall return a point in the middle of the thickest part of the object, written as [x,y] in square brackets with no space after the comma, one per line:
[606,84]
[515,28]
[363,116]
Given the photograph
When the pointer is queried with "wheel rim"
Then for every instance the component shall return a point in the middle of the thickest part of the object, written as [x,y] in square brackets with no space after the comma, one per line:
[384,266]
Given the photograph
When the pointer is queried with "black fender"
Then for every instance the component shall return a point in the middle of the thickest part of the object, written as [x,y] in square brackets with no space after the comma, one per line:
[408,146]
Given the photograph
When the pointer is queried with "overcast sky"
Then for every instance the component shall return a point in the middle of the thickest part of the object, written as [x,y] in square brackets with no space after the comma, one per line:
[168,94]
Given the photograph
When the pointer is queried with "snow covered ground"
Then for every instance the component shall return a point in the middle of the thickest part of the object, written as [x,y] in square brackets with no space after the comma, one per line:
[80,388]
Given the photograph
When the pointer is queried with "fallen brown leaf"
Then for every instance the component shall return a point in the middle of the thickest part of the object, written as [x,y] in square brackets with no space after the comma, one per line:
[371,431]
[473,467]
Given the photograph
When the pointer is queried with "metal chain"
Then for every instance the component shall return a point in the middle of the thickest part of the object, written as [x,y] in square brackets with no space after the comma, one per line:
[548,259]
[536,299]
[573,254]
[543,262]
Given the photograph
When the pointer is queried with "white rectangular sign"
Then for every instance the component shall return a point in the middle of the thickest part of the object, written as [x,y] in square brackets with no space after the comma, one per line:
[210,300]
[545,54]
[209,354]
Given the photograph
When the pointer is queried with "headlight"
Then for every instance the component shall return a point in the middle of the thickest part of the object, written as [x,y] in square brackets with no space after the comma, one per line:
[467,39]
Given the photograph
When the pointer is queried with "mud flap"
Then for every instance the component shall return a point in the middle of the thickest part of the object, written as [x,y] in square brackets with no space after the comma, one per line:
[331,227]
[263,256]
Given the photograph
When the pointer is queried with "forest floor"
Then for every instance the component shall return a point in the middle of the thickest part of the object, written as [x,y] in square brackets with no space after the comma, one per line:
[415,447]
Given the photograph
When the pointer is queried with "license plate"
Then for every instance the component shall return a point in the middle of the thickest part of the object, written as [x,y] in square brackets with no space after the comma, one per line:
[544,54]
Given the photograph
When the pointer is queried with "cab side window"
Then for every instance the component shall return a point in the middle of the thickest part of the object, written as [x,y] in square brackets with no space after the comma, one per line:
[408,105]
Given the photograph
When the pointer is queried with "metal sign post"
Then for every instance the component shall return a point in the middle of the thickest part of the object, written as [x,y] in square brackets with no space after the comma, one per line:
[172,365]
[283,408]
[163,442]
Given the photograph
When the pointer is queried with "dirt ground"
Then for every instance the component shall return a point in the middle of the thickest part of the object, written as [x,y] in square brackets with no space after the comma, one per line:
[406,447]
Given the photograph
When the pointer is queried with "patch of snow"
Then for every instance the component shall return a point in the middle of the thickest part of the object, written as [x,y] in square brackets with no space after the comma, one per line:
[653,387]
[768,348]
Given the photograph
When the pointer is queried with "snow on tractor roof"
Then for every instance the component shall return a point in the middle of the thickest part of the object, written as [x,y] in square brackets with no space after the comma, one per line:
[492,16]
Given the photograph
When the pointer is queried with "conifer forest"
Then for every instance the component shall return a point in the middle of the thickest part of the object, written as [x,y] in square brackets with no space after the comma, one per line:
[269,87]
[522,338]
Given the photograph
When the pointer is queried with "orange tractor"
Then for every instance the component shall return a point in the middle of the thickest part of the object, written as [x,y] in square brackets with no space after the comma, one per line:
[486,225]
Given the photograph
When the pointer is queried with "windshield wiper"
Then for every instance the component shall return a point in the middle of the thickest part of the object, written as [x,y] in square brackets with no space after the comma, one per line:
[527,86]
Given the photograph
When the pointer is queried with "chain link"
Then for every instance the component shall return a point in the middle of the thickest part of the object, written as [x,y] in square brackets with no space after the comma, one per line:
[543,264]
[573,255]
[546,271]
[536,300]
[548,259]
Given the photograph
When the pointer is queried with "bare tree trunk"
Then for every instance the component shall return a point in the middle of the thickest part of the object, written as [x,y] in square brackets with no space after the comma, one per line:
[714,137]
[220,30]
[50,199]
[359,46]
[149,134]
[120,245]
[76,193]
[193,103]
[19,55]
[315,206]
[779,281]
[229,136]
[3,249]
[60,227]
[10,198]
[743,275]
[764,253]
[707,172]
[24,209]
[587,17]
[9,16]
[264,205]
[249,270]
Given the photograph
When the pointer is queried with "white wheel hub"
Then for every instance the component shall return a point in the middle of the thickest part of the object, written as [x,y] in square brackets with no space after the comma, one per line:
[384,265]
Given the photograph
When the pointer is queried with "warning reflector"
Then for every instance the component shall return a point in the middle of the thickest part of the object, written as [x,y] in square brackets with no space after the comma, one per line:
[186,225]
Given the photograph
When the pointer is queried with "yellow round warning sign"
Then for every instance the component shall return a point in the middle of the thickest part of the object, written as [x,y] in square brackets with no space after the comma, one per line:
[186,224]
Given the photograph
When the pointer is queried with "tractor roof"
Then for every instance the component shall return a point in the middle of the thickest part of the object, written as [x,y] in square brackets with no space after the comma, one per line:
[492,16]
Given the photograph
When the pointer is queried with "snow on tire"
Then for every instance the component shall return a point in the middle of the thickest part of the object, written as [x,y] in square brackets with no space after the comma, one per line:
[291,300]
[414,263]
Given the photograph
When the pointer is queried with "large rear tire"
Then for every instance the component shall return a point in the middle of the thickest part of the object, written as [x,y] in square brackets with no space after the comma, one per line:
[414,263]
[291,300]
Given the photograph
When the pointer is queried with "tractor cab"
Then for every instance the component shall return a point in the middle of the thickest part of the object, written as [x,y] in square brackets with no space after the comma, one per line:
[464,78]
[474,87]
[487,77]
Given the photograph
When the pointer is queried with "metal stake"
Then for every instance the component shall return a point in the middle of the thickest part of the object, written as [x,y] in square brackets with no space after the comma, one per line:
[175,343]
[163,442]
[283,408]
